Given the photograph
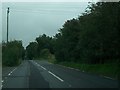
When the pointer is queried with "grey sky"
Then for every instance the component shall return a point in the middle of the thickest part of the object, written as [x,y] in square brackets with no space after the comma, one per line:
[29,20]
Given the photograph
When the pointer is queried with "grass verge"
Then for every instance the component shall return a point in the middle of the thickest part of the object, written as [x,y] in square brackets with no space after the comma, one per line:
[107,69]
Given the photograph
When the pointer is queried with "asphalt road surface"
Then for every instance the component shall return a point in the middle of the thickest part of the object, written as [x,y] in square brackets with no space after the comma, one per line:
[41,74]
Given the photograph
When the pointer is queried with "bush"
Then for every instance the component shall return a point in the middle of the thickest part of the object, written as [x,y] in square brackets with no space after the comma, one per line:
[12,52]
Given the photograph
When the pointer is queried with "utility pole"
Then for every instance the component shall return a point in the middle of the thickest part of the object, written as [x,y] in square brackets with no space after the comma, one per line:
[7,22]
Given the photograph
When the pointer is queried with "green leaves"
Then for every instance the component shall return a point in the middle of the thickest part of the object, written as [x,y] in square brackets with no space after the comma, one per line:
[39,49]
[12,53]
[92,37]
[31,50]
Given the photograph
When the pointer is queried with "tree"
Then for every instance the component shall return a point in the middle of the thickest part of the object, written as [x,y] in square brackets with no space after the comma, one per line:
[91,38]
[45,42]
[31,50]
[12,53]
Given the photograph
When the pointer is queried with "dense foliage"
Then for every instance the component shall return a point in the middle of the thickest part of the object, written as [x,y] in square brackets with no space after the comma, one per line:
[12,53]
[31,50]
[93,37]
[42,48]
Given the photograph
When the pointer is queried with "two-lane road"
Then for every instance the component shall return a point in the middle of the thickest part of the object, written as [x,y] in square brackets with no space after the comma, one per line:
[41,74]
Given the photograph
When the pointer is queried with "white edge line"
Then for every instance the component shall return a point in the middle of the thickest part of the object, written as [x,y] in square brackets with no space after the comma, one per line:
[56,76]
[108,77]
[82,71]
[68,67]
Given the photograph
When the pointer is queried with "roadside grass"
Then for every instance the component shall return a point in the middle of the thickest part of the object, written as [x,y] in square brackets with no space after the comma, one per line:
[107,69]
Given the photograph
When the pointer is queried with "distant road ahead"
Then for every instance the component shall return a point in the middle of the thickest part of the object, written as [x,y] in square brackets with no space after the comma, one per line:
[41,74]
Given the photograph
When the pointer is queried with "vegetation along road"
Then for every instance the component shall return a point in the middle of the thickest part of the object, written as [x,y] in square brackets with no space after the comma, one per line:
[89,45]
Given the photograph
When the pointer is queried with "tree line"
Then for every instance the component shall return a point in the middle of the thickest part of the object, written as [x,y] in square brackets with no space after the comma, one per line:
[92,37]
[41,48]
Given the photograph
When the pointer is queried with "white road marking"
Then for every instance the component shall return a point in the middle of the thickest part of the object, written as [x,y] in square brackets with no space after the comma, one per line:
[40,66]
[43,68]
[9,74]
[56,76]
[36,63]
[68,67]
[12,71]
[50,72]
[2,81]
[108,77]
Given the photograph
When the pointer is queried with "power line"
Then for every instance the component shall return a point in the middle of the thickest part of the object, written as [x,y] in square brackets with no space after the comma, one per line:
[48,10]
[45,10]
[51,11]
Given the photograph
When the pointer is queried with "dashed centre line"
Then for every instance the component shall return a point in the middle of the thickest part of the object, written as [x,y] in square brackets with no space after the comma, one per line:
[56,76]
[2,81]
[9,74]
[108,77]
[50,73]
[40,66]
[12,71]
[43,68]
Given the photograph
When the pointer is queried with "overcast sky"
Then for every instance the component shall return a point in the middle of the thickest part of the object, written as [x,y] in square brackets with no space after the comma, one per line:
[29,20]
